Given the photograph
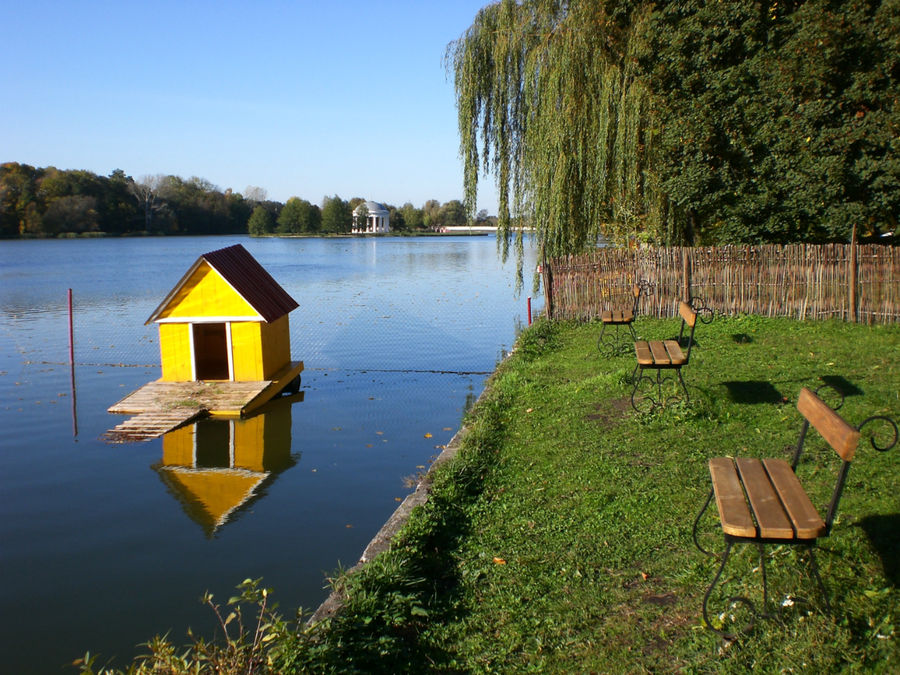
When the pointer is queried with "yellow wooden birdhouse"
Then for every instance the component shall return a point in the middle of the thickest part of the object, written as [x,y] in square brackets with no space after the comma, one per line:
[227,320]
[225,343]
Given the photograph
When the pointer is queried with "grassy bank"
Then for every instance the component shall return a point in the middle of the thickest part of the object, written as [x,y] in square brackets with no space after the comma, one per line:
[559,539]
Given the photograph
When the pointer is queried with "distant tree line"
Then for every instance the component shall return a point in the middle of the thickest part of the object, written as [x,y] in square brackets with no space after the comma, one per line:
[48,202]
[299,216]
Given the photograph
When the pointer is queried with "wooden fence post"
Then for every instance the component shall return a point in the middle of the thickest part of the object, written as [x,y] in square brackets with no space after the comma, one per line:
[548,287]
[854,277]
[686,274]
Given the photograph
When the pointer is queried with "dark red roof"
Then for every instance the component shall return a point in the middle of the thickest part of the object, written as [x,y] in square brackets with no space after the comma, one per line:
[252,281]
[246,276]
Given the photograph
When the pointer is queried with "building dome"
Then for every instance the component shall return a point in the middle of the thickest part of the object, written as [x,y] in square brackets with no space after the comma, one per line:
[373,208]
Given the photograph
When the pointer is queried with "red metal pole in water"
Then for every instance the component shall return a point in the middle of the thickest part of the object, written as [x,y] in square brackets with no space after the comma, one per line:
[71,333]
[72,368]
[529,310]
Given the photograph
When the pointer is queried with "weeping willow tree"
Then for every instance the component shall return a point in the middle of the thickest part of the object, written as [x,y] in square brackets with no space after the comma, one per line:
[684,122]
[552,106]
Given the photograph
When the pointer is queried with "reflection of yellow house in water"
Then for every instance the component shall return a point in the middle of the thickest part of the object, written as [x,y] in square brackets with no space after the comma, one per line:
[227,319]
[215,468]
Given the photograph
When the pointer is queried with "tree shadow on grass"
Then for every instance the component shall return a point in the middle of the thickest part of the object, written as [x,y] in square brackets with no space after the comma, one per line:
[882,532]
[753,392]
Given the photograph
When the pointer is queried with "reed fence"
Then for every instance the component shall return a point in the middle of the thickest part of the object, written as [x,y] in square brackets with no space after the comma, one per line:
[802,281]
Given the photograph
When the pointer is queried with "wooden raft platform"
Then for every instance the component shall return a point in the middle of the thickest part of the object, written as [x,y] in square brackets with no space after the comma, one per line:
[149,425]
[162,406]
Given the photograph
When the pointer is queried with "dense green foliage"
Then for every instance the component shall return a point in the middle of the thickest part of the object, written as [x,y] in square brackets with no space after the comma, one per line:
[49,202]
[558,540]
[261,222]
[683,122]
[337,215]
[298,215]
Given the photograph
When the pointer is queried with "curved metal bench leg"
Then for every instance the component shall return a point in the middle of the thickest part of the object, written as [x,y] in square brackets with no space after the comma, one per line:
[697,523]
[634,336]
[600,344]
[636,381]
[631,379]
[709,590]
[815,569]
[765,584]
[687,397]
[615,344]
[637,377]
[734,600]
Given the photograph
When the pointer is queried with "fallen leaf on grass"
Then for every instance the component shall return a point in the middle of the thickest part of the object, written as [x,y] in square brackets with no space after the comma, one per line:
[499,561]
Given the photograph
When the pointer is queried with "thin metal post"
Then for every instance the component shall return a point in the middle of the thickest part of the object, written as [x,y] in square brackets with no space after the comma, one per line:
[72,367]
[71,333]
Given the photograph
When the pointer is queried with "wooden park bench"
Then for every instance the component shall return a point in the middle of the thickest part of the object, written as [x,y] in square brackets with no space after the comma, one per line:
[613,344]
[659,356]
[762,501]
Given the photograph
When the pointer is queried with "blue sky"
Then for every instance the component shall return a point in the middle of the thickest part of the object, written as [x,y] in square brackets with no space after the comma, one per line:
[301,98]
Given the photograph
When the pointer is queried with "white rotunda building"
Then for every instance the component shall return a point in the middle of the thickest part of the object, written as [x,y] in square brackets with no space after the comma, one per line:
[377,218]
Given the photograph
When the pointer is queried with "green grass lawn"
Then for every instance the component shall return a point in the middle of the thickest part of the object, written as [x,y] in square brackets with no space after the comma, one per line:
[559,538]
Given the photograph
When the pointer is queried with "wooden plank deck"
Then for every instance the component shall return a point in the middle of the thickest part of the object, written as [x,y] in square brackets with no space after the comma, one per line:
[149,425]
[160,396]
[160,403]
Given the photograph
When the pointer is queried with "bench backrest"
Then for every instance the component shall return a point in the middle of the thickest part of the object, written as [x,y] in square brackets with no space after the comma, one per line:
[688,315]
[840,435]
[688,320]
[640,287]
[636,291]
[843,438]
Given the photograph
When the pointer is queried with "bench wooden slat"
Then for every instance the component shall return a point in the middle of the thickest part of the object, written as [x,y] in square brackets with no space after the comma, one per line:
[616,316]
[658,349]
[642,352]
[770,516]
[807,522]
[734,514]
[676,356]
[840,435]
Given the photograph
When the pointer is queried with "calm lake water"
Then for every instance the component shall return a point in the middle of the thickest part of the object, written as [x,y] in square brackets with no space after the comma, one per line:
[103,546]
